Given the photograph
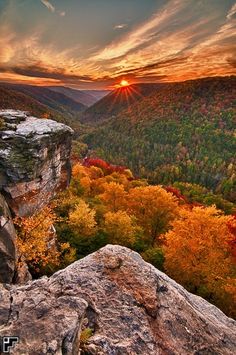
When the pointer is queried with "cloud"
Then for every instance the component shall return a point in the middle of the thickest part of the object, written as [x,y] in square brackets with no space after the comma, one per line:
[178,42]
[48,5]
[231,12]
[141,34]
[120,26]
[37,71]
[174,44]
[52,8]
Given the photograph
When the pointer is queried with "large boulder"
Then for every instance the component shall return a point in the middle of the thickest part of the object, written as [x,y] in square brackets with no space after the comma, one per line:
[34,160]
[127,305]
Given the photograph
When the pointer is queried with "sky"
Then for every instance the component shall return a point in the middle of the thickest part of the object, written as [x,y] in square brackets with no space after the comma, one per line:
[94,44]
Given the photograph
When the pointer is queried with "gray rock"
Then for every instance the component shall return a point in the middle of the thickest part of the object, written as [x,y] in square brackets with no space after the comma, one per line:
[22,274]
[34,164]
[7,243]
[34,160]
[10,269]
[131,308]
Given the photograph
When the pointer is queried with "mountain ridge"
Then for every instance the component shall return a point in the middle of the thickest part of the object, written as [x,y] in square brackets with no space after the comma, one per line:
[54,100]
[181,132]
[123,98]
[86,97]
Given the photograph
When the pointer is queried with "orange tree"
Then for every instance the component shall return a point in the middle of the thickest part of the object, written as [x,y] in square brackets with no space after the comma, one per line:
[154,209]
[37,243]
[198,254]
[114,196]
[121,228]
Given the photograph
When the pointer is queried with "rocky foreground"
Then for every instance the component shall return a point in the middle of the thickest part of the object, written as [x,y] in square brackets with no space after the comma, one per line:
[126,305]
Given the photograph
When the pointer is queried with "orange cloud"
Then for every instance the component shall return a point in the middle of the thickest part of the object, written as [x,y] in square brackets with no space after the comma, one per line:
[166,47]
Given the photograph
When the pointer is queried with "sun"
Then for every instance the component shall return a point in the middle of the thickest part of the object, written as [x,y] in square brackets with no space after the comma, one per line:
[124,83]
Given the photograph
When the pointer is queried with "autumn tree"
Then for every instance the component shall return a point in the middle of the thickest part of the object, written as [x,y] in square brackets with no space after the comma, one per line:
[154,209]
[114,196]
[121,228]
[198,253]
[37,242]
[82,219]
[79,171]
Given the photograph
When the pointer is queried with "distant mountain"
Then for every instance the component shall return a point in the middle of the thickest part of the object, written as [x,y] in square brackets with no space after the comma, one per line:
[118,100]
[97,94]
[86,97]
[76,95]
[16,100]
[54,100]
[13,99]
[172,132]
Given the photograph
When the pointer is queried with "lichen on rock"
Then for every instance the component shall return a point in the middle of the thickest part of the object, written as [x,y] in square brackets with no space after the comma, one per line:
[34,160]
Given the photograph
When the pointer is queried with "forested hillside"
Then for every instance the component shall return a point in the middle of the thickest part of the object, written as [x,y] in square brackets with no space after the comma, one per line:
[116,101]
[39,107]
[182,132]
[19,101]
[54,100]
[97,94]
[76,95]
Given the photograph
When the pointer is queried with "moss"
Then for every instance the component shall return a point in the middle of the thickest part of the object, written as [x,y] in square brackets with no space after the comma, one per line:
[84,336]
[2,124]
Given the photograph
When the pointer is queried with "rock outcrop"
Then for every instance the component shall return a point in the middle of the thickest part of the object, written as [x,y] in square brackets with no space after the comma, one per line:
[7,243]
[129,306]
[34,164]
[34,160]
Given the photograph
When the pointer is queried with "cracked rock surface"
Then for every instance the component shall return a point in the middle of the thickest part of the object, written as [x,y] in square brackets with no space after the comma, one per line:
[130,307]
[34,160]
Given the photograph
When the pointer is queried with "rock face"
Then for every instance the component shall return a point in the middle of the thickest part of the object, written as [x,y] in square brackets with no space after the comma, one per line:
[34,160]
[130,307]
[34,163]
[7,243]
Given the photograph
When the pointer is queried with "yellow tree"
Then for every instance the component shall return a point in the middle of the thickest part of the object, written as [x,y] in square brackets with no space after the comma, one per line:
[82,219]
[79,171]
[154,209]
[37,243]
[114,196]
[198,252]
[121,228]
[85,183]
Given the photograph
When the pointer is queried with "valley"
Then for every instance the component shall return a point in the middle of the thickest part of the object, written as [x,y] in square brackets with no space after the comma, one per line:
[118,177]
[169,133]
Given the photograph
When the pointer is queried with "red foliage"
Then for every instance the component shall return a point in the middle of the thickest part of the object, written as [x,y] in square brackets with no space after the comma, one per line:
[102,164]
[176,193]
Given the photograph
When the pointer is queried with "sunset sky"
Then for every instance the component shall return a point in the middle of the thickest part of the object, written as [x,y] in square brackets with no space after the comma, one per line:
[93,44]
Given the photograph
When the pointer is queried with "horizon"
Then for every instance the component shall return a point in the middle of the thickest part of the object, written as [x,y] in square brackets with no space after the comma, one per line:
[88,47]
[118,86]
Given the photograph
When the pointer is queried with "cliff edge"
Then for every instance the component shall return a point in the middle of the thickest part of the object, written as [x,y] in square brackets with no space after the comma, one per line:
[34,164]
[125,304]
[34,160]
